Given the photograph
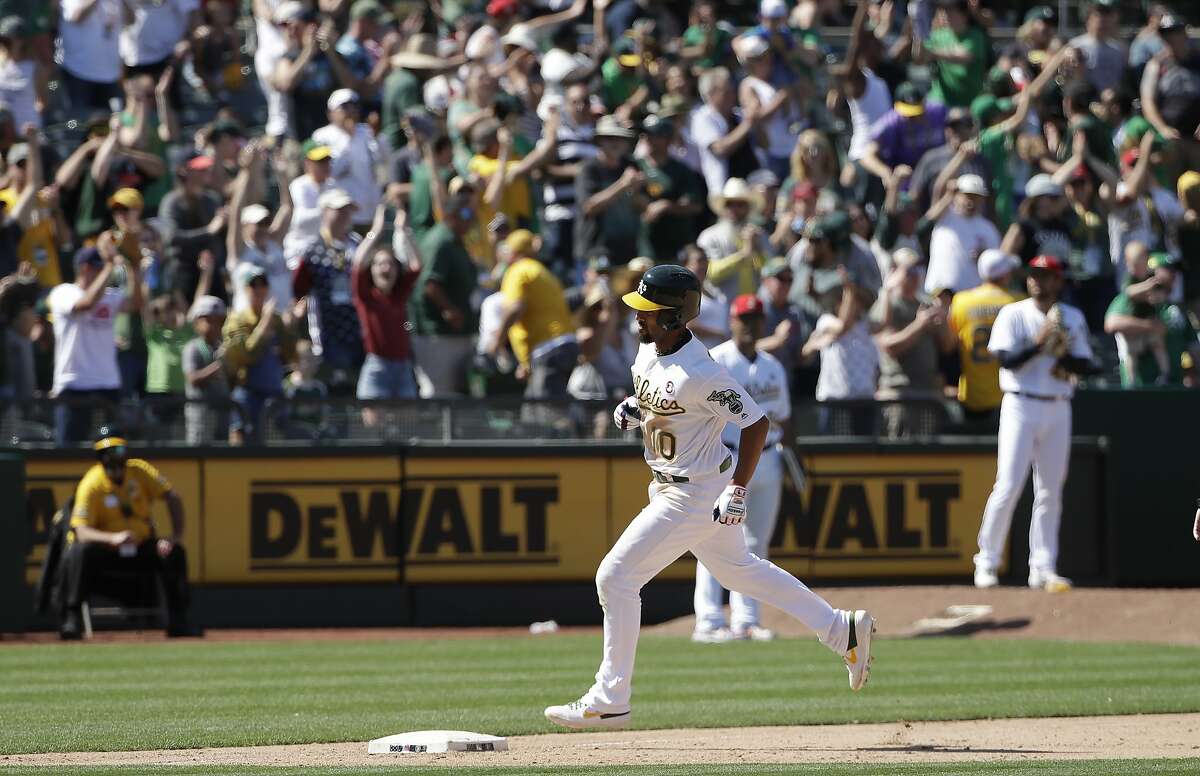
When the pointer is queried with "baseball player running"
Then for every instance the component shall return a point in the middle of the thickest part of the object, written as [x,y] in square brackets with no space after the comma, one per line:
[1040,342]
[764,379]
[683,400]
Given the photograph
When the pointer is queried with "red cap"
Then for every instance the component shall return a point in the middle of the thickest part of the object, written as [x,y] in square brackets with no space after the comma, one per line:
[747,304]
[1047,262]
[200,163]
[1130,157]
[501,7]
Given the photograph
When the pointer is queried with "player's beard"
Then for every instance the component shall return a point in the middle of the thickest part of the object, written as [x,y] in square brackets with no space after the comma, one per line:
[644,334]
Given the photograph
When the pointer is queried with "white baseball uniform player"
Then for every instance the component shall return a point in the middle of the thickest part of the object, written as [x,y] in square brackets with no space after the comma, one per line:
[1035,429]
[766,382]
[685,400]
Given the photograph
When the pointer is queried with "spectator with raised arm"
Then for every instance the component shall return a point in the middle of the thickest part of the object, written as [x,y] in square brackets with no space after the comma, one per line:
[354,154]
[254,235]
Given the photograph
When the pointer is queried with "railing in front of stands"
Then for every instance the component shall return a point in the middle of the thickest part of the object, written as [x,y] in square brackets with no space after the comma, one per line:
[152,421]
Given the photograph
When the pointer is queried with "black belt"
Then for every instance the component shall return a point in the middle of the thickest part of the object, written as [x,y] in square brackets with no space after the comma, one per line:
[1039,397]
[667,479]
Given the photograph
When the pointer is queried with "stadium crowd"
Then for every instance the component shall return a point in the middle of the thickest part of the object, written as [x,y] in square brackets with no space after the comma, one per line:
[449,198]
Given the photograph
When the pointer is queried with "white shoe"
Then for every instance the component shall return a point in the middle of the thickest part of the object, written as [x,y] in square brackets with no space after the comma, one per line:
[986,577]
[579,715]
[753,633]
[1040,579]
[712,635]
[858,659]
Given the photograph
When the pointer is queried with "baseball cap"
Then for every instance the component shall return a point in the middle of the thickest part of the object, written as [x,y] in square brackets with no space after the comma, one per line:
[340,98]
[225,127]
[335,199]
[501,7]
[18,153]
[672,105]
[751,47]
[600,264]
[747,304]
[127,198]
[205,306]
[199,163]
[248,273]
[994,263]
[1162,260]
[910,100]
[773,9]
[1042,185]
[1043,12]
[289,11]
[1170,23]
[656,126]
[1048,263]
[366,8]
[1188,181]
[520,242]
[972,184]
[775,267]
[254,214]
[13,27]
[314,151]
[959,115]
[762,177]
[626,52]
[88,255]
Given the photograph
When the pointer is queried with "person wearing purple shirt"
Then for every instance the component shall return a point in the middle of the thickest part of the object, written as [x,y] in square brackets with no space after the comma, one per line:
[902,135]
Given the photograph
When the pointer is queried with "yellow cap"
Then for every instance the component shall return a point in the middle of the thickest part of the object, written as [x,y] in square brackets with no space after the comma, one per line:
[127,198]
[909,109]
[639,302]
[520,242]
[1188,181]
[109,442]
[318,153]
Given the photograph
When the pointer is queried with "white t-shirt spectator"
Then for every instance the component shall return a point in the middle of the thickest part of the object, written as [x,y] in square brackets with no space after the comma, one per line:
[85,351]
[279,277]
[707,127]
[954,251]
[17,91]
[306,215]
[353,166]
[89,46]
[714,315]
[270,48]
[1132,221]
[155,30]
[849,364]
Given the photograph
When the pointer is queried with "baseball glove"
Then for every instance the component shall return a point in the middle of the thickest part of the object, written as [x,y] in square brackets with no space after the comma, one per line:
[1059,340]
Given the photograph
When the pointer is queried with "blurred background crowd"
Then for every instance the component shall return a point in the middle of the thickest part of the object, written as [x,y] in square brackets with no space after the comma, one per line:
[213,208]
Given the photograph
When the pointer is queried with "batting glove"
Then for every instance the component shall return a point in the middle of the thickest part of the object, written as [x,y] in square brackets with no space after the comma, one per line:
[731,506]
[627,415]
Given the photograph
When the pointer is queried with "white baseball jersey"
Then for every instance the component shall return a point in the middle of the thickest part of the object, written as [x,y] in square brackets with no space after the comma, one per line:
[1016,328]
[686,400]
[766,382]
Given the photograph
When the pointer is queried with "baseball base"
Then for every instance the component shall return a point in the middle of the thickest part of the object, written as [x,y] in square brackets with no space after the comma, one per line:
[435,741]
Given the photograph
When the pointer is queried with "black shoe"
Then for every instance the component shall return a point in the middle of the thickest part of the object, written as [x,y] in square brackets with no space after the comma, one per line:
[71,629]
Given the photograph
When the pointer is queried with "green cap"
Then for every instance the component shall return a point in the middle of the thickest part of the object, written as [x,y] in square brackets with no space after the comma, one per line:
[366,8]
[1162,260]
[832,226]
[775,267]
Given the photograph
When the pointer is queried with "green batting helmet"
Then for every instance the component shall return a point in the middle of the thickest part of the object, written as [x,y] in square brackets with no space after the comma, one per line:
[671,289]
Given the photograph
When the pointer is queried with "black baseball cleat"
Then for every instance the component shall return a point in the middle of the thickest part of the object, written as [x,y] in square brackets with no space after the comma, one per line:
[71,629]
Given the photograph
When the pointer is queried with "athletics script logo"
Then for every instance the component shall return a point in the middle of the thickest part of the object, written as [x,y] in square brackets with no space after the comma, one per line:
[654,399]
[728,397]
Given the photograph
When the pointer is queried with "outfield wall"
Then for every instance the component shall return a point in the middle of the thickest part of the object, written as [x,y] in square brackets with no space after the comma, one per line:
[422,526]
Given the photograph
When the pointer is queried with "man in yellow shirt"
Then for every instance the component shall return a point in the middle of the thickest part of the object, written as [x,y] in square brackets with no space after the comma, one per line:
[112,529]
[972,313]
[536,319]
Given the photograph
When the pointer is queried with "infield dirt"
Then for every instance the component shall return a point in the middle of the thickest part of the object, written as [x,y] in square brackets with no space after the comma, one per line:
[1064,738]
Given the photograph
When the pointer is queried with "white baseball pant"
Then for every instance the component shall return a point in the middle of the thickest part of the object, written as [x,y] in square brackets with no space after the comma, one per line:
[1034,432]
[762,510]
[677,519]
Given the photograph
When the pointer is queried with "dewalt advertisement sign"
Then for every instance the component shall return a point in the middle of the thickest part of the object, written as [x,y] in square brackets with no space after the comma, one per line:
[453,519]
[50,482]
[389,518]
[859,515]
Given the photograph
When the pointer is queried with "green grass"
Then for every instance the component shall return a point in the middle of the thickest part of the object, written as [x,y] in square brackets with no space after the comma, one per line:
[1043,768]
[147,696]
